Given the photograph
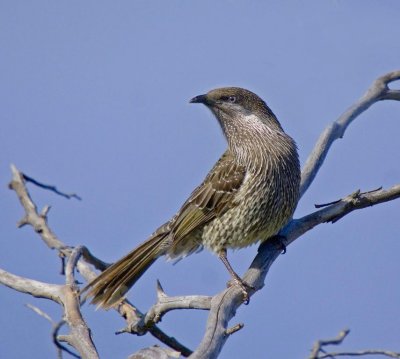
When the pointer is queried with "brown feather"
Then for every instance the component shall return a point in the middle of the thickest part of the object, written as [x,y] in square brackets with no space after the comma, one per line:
[111,285]
[212,198]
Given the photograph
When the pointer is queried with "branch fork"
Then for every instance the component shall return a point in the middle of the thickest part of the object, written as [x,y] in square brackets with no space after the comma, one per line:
[164,305]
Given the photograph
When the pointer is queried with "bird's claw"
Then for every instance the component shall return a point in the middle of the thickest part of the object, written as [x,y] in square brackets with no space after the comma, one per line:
[244,287]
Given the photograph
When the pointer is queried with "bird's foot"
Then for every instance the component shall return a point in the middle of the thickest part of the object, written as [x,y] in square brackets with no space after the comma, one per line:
[244,287]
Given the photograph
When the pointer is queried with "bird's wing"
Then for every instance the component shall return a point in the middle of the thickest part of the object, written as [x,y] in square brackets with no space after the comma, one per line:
[209,200]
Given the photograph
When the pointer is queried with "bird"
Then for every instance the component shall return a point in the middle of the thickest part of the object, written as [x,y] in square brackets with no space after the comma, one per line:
[248,196]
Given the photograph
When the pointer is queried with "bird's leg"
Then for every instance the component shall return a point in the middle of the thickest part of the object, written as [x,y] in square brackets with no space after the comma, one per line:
[236,279]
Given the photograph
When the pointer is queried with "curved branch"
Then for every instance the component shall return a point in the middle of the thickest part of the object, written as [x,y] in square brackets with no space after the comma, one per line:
[67,296]
[32,217]
[164,305]
[224,305]
[320,344]
[336,211]
[378,91]
[32,287]
[39,223]
[79,336]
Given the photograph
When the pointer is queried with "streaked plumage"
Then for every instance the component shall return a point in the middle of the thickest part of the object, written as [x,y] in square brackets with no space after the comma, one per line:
[249,194]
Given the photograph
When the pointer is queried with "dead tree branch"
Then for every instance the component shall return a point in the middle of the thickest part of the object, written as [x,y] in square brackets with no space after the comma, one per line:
[66,295]
[51,188]
[164,305]
[319,352]
[39,222]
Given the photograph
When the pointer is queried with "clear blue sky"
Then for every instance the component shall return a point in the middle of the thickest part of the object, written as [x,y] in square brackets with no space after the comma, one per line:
[94,98]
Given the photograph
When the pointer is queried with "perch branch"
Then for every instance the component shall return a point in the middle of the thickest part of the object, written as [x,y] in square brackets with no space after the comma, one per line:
[79,336]
[225,304]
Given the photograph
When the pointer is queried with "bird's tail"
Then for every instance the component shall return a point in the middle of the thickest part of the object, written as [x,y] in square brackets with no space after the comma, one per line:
[112,284]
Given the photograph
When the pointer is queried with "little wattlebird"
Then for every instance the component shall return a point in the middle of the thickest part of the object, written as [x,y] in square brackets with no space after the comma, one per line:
[249,194]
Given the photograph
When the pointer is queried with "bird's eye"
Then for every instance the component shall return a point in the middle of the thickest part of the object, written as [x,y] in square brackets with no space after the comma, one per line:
[231,99]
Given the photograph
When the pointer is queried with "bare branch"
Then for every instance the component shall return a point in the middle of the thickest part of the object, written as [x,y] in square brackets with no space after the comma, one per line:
[39,223]
[155,352]
[60,348]
[335,341]
[51,188]
[56,327]
[71,264]
[234,329]
[40,312]
[386,353]
[32,287]
[65,295]
[164,305]
[79,336]
[320,344]
[378,91]
[32,217]
[336,211]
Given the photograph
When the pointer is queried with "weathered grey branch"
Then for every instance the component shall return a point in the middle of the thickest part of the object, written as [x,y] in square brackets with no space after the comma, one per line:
[155,352]
[378,91]
[32,217]
[79,336]
[224,305]
[386,353]
[336,211]
[55,329]
[66,295]
[30,286]
[39,222]
[164,305]
[319,352]
[319,344]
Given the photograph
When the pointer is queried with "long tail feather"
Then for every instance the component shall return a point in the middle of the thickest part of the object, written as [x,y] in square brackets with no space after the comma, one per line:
[111,285]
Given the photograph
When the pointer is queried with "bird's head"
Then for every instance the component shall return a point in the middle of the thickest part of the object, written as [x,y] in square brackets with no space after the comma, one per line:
[232,104]
[233,101]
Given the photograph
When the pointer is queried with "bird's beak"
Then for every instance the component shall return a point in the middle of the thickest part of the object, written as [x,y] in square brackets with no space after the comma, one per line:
[199,99]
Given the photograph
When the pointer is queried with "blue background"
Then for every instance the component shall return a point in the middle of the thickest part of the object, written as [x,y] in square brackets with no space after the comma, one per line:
[94,98]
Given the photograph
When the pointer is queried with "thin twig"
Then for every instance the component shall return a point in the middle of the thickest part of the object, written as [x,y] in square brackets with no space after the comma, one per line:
[333,341]
[50,188]
[60,348]
[319,352]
